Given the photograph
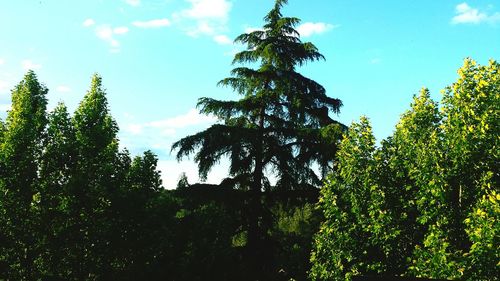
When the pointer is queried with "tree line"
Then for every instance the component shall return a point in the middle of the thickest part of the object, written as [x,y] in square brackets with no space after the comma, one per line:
[76,207]
[424,202]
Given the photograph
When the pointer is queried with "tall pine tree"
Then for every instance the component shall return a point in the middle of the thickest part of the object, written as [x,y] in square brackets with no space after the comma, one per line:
[282,121]
[281,124]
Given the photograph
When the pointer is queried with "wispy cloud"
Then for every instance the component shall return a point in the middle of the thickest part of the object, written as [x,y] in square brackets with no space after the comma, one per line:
[375,60]
[88,22]
[133,3]
[305,29]
[159,135]
[105,33]
[29,64]
[204,17]
[63,89]
[169,126]
[223,40]
[310,28]
[2,61]
[465,14]
[152,23]
[120,30]
[191,118]
[134,129]
[208,9]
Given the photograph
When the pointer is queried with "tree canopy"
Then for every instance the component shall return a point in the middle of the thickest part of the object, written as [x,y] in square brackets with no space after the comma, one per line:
[282,122]
[425,203]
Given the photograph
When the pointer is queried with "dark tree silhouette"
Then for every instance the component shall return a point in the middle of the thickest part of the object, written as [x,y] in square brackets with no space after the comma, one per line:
[282,121]
[280,124]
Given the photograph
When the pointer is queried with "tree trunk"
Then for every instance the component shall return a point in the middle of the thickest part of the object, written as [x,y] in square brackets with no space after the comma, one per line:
[259,251]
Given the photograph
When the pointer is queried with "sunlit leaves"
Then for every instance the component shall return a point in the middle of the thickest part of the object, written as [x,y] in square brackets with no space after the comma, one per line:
[429,205]
[20,153]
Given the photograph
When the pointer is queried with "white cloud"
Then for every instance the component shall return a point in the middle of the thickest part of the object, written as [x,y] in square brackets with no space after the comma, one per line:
[134,129]
[204,17]
[152,23]
[105,33]
[169,126]
[375,60]
[203,27]
[208,9]
[28,64]
[63,89]
[2,61]
[222,40]
[466,14]
[120,30]
[310,28]
[134,3]
[159,135]
[88,22]
[191,118]
[171,171]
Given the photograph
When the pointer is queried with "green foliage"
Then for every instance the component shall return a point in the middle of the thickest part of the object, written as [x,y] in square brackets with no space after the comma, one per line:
[20,151]
[281,123]
[57,168]
[65,191]
[483,229]
[425,203]
[294,225]
[342,245]
[281,120]
[143,172]
[95,176]
[74,207]
[95,128]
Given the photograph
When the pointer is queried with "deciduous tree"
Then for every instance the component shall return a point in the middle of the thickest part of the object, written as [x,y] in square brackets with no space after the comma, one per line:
[20,152]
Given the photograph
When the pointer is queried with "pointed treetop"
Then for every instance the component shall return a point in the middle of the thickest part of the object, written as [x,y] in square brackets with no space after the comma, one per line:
[277,44]
[96,80]
[60,107]
[59,118]
[93,122]
[95,100]
[28,100]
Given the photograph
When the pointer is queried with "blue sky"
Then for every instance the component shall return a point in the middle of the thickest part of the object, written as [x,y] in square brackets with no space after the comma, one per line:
[157,57]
